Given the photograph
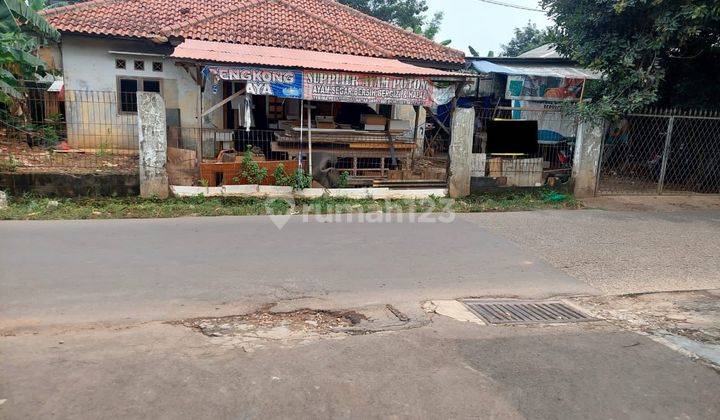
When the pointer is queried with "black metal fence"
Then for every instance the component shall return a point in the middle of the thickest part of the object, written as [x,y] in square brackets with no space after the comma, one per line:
[69,131]
[662,152]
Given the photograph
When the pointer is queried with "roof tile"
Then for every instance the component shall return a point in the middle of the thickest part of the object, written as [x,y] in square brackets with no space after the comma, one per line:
[317,25]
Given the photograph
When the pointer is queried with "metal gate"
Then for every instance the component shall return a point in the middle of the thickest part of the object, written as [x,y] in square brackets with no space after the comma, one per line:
[662,152]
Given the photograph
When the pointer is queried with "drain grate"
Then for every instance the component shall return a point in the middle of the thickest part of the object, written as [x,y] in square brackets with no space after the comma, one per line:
[525,312]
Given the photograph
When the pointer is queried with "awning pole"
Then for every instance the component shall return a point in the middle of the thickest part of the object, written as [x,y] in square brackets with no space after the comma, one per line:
[309,122]
[302,127]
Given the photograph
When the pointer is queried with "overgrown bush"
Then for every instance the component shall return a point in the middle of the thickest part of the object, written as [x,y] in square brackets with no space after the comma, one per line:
[251,171]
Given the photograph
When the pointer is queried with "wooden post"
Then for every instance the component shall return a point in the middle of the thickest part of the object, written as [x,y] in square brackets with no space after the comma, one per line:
[415,135]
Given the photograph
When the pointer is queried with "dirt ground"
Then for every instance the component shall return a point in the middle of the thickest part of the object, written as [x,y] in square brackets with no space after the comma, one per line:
[654,203]
[19,157]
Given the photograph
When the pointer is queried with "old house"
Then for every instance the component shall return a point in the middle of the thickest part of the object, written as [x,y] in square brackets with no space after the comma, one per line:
[235,73]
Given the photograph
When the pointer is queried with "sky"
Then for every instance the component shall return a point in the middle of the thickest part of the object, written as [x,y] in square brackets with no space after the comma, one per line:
[483,25]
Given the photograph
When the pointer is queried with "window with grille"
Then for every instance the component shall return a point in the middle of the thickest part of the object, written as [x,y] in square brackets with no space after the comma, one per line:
[139,65]
[157,66]
[119,63]
[128,88]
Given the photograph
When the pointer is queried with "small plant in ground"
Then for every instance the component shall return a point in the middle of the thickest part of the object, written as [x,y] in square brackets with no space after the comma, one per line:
[102,151]
[203,183]
[302,179]
[344,179]
[251,171]
[282,179]
[197,199]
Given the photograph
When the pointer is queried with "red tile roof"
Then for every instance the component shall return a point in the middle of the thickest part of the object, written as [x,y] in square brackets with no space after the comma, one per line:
[223,52]
[317,25]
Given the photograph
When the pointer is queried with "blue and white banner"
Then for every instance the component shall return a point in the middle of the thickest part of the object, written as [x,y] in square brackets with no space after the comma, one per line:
[274,82]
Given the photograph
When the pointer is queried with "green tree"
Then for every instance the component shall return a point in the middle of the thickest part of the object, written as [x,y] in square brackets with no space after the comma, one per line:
[404,13]
[525,39]
[22,30]
[662,52]
[408,14]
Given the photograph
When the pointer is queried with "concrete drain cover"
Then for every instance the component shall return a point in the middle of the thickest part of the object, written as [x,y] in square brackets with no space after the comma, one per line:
[525,312]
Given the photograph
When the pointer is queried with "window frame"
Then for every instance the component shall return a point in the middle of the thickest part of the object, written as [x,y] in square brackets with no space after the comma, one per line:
[141,88]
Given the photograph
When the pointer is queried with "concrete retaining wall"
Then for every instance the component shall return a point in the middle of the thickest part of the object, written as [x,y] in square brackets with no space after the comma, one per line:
[69,185]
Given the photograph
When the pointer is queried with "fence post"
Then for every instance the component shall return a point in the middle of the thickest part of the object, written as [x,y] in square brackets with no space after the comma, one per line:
[665,155]
[152,132]
[586,160]
[461,138]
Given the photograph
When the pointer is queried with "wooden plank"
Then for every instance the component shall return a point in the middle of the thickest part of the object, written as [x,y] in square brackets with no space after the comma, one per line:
[223,102]
[380,146]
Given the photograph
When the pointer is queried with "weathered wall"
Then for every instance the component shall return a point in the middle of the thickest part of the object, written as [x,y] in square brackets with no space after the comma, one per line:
[93,117]
[463,128]
[588,147]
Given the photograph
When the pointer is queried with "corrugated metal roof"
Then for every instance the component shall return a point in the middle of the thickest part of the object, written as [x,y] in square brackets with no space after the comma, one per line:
[222,52]
[536,70]
[543,51]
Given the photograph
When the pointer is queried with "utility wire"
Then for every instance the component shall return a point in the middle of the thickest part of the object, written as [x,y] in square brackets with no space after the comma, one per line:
[515,6]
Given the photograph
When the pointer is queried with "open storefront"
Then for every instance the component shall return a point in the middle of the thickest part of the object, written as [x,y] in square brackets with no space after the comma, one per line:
[347,120]
[524,136]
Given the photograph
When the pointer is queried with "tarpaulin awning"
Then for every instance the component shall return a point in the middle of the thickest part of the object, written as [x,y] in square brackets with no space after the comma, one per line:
[565,72]
[223,52]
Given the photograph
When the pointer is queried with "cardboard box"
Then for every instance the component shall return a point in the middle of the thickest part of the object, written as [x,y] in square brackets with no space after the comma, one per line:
[496,167]
[374,127]
[398,125]
[369,119]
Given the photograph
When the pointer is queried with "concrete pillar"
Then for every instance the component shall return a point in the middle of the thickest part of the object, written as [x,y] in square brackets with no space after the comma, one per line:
[461,139]
[152,132]
[586,161]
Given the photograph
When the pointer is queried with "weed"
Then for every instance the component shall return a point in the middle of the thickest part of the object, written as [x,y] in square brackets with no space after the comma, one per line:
[29,206]
[102,150]
[302,179]
[344,179]
[251,171]
[282,179]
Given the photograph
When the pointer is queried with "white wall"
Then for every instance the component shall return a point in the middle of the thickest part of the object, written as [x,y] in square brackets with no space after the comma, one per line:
[91,91]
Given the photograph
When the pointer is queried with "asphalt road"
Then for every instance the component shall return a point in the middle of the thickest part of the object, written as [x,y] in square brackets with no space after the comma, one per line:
[620,252]
[81,271]
[85,305]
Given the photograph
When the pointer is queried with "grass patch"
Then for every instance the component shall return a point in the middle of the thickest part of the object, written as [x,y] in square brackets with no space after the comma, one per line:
[30,207]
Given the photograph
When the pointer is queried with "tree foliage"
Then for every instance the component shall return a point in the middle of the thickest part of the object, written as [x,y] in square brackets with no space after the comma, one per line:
[664,52]
[22,30]
[407,14]
[525,39]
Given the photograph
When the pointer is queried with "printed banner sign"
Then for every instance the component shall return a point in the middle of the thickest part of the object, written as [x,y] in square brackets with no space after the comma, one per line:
[553,126]
[274,82]
[366,88]
[543,88]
